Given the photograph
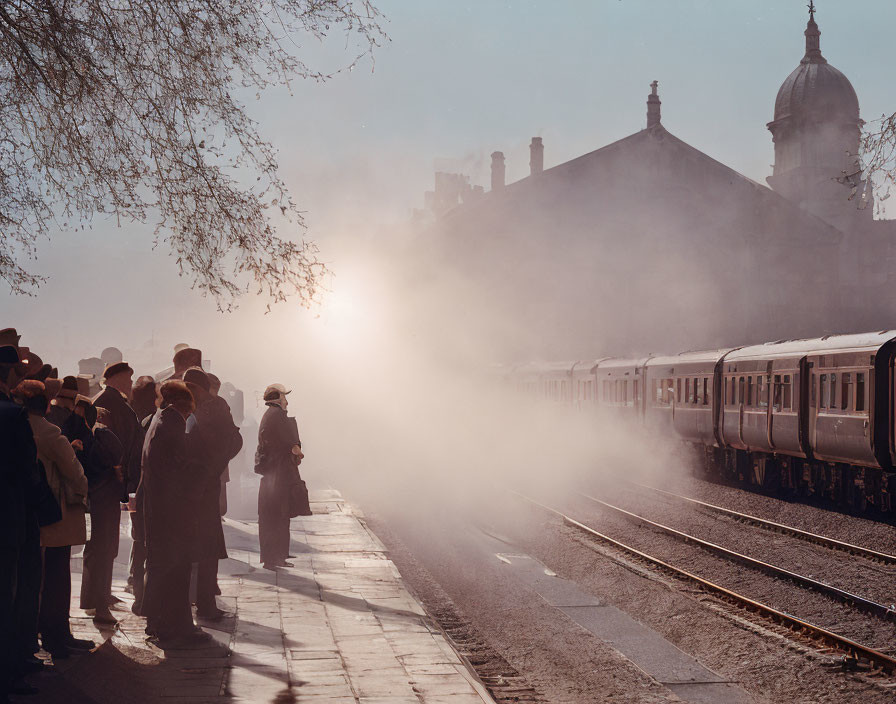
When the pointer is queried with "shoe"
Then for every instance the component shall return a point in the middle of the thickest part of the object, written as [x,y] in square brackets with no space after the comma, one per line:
[79,643]
[284,563]
[111,600]
[217,590]
[270,566]
[129,589]
[104,616]
[290,556]
[136,610]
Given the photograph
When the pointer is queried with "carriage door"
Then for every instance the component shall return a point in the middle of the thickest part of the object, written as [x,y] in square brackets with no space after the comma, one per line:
[817,386]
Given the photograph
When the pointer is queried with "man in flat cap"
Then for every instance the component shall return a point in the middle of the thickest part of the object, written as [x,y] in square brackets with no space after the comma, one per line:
[275,460]
[123,422]
[213,440]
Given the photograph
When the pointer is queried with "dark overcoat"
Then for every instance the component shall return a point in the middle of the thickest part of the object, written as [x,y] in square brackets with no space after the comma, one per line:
[212,441]
[126,426]
[274,461]
[169,490]
[19,474]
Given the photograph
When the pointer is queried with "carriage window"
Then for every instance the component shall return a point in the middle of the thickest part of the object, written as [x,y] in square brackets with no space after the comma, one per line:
[845,383]
[625,391]
[635,391]
[762,392]
[825,390]
[860,391]
[695,392]
[678,391]
[749,401]
[833,403]
[732,399]
[787,392]
[740,390]
[706,391]
[776,392]
[687,390]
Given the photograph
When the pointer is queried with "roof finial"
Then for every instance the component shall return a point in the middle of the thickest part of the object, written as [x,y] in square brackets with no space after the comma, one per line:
[813,41]
[653,106]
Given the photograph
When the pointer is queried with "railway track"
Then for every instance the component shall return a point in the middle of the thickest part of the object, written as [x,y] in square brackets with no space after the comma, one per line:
[807,536]
[859,602]
[854,654]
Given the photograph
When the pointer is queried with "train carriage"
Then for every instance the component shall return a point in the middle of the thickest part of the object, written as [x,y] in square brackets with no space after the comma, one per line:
[620,386]
[683,394]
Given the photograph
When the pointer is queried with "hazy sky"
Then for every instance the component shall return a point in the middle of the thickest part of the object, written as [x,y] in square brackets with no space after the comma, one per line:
[456,82]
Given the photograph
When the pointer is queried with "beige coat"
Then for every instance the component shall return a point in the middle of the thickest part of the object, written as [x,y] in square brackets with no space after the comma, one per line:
[67,482]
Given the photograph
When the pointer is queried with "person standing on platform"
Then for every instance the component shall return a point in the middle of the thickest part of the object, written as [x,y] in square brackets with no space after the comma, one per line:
[275,460]
[19,532]
[169,495]
[144,402]
[123,420]
[101,455]
[115,398]
[69,485]
[212,440]
[63,405]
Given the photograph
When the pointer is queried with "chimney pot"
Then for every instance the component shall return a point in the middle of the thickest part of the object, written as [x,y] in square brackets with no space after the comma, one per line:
[497,171]
[536,156]
[653,106]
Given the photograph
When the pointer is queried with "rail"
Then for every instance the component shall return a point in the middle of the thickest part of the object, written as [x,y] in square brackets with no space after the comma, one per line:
[860,602]
[815,538]
[854,651]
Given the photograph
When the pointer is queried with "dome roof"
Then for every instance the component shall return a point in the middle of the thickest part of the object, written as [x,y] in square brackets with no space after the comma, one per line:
[815,90]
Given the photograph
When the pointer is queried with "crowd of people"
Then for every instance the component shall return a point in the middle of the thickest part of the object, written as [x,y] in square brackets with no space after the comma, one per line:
[160,449]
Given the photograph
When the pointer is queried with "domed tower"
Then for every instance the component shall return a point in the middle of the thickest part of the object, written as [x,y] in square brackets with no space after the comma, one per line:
[816,132]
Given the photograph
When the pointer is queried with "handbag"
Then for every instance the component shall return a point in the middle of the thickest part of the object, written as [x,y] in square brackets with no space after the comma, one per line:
[298,498]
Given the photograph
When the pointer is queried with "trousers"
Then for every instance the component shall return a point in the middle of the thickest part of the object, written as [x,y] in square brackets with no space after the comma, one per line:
[102,548]
[27,602]
[206,585]
[273,522]
[166,601]
[55,596]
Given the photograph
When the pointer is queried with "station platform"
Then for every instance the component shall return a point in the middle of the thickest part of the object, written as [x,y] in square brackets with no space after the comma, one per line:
[338,627]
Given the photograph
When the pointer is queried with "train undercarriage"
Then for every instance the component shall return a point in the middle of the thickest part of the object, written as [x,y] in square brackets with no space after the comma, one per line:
[858,490]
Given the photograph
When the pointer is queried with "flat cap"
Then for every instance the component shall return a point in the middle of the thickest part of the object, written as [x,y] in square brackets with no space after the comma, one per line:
[117,368]
[274,391]
[197,377]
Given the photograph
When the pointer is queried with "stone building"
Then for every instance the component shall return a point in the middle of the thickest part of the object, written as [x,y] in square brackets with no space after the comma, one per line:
[648,244]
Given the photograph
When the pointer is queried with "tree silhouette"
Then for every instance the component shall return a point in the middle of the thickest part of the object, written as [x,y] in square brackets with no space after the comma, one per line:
[127,108]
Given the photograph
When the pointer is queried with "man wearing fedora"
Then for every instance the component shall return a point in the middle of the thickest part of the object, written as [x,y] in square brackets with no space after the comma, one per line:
[275,461]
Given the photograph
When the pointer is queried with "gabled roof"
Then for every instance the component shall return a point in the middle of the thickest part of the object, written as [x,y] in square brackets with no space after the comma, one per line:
[673,161]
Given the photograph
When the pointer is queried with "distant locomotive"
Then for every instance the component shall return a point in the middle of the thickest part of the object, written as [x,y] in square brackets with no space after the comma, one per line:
[798,417]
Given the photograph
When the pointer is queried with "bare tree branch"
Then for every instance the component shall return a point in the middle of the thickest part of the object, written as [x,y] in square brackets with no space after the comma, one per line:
[126,108]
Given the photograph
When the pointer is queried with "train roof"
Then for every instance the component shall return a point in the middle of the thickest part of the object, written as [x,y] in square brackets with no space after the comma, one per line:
[857,342]
[691,357]
[621,362]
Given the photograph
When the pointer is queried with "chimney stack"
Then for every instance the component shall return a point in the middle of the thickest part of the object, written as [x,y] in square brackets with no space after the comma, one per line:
[497,171]
[653,107]
[536,156]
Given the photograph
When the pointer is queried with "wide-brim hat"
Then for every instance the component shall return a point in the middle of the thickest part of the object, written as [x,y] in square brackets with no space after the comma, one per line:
[9,337]
[275,391]
[53,386]
[9,355]
[117,368]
